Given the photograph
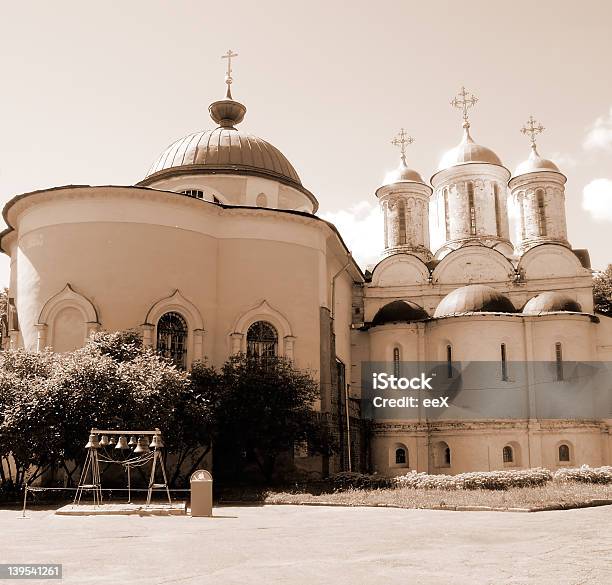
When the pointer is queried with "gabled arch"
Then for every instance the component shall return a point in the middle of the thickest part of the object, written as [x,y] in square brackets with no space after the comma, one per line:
[66,299]
[176,303]
[549,259]
[263,311]
[400,270]
[473,264]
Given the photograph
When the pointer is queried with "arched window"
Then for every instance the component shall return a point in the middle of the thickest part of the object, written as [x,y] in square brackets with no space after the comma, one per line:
[400,456]
[504,363]
[262,200]
[396,362]
[442,454]
[564,453]
[508,454]
[498,219]
[541,212]
[559,360]
[472,208]
[172,338]
[401,212]
[446,214]
[194,193]
[449,361]
[262,340]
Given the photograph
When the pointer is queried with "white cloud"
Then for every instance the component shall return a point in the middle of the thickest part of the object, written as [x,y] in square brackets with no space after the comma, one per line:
[361,227]
[599,136]
[562,160]
[597,199]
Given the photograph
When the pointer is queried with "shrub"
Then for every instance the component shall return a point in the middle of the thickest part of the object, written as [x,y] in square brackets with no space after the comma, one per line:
[486,480]
[584,474]
[352,480]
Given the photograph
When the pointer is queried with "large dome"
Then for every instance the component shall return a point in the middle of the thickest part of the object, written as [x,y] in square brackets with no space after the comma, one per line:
[474,298]
[225,150]
[551,301]
[399,312]
[467,151]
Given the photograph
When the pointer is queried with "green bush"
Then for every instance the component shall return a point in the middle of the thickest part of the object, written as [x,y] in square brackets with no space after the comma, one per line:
[485,480]
[585,474]
[361,481]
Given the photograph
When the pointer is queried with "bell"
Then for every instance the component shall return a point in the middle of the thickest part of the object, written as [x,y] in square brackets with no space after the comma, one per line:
[142,446]
[122,443]
[93,442]
[104,441]
[157,442]
[132,442]
[112,441]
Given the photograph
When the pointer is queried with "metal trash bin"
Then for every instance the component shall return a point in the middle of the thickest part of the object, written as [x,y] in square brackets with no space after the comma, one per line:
[201,493]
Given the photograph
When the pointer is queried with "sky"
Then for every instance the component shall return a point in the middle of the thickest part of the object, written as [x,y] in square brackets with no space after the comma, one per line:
[93,92]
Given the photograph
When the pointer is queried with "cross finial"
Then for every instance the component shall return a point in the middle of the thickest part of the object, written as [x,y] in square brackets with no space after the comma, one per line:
[464,101]
[228,76]
[532,128]
[402,140]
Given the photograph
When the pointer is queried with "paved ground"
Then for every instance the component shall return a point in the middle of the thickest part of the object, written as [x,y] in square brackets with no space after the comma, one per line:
[319,545]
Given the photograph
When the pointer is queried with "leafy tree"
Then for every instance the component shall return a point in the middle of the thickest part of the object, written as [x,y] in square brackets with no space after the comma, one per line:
[49,402]
[602,291]
[266,406]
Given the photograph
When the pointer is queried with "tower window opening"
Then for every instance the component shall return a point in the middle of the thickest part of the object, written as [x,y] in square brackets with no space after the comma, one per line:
[470,191]
[541,212]
[396,362]
[559,361]
[498,222]
[504,363]
[446,214]
[449,361]
[401,211]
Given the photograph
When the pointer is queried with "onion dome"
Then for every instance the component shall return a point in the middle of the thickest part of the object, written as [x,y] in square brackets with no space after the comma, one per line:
[474,298]
[551,301]
[403,174]
[535,163]
[399,312]
[467,151]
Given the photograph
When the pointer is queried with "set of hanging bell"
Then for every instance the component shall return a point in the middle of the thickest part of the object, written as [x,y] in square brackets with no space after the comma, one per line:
[140,444]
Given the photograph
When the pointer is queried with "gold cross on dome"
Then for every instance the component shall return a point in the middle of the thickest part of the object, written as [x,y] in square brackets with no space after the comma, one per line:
[464,101]
[402,140]
[532,128]
[228,76]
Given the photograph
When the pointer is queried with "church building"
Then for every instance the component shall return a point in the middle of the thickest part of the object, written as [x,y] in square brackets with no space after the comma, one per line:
[218,250]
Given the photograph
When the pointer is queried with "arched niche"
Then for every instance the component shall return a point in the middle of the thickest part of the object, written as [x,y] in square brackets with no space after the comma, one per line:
[176,303]
[66,321]
[400,270]
[263,311]
[473,264]
[550,260]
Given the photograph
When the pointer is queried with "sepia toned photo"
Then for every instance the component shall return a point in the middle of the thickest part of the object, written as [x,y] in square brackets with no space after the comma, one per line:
[306,293]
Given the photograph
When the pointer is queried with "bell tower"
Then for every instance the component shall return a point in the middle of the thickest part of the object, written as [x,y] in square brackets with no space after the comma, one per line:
[538,192]
[404,200]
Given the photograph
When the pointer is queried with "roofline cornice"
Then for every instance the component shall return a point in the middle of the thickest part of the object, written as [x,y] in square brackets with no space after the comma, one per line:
[244,170]
[142,191]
